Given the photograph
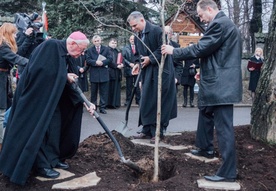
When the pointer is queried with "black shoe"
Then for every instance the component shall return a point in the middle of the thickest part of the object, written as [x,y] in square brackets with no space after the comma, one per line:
[192,105]
[62,165]
[103,111]
[125,104]
[141,136]
[216,178]
[47,173]
[184,105]
[203,153]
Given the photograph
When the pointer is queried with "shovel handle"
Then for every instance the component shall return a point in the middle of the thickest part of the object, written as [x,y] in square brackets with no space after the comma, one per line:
[97,116]
[134,89]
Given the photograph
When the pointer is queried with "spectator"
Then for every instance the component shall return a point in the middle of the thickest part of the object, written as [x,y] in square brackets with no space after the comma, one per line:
[27,40]
[33,132]
[220,84]
[130,58]
[178,65]
[98,58]
[8,58]
[115,77]
[255,72]
[151,35]
[188,79]
[81,69]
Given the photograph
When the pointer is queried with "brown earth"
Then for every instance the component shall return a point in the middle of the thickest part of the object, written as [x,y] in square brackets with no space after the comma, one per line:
[256,165]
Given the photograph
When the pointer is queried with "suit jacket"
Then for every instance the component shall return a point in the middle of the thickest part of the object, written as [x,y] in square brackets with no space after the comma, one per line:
[129,57]
[220,50]
[98,73]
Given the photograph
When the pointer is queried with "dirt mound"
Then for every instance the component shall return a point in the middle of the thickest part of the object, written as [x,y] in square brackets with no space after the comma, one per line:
[256,165]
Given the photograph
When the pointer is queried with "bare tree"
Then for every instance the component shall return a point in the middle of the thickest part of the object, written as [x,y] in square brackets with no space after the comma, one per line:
[263,118]
[250,16]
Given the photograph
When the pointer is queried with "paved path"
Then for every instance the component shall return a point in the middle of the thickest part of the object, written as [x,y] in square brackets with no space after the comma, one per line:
[186,120]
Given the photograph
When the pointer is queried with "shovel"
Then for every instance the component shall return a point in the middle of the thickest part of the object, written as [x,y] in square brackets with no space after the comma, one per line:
[123,128]
[128,163]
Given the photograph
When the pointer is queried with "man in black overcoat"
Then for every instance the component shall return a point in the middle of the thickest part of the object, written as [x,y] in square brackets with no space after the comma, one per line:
[34,133]
[220,85]
[98,58]
[178,64]
[151,35]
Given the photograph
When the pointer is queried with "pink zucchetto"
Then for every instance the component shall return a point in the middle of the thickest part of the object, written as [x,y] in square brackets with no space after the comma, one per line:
[78,36]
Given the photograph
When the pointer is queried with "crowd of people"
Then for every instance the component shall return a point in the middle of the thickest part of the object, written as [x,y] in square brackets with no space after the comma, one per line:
[49,109]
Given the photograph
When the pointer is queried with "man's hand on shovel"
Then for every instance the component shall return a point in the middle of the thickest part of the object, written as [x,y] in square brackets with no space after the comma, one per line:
[73,78]
[90,108]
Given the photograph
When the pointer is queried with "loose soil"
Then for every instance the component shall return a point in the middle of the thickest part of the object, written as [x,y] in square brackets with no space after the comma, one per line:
[256,165]
[178,172]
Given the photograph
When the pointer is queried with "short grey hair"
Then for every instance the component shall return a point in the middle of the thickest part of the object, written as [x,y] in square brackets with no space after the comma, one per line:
[82,41]
[135,15]
[96,36]
[203,4]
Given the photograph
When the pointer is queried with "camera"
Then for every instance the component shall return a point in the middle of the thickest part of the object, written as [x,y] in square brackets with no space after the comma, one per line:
[23,21]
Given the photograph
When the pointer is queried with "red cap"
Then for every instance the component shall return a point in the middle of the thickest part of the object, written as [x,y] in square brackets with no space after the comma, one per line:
[78,36]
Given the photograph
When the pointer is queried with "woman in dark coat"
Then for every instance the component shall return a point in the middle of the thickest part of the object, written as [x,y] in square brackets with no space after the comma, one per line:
[255,72]
[188,80]
[115,77]
[8,58]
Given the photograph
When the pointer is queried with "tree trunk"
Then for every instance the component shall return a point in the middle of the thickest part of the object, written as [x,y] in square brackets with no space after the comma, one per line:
[263,118]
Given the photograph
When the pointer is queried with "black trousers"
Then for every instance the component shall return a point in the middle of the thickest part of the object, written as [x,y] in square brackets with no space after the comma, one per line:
[48,154]
[130,81]
[150,130]
[220,117]
[102,87]
[185,93]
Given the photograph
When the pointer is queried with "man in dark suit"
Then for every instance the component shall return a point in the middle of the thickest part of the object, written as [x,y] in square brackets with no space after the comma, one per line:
[178,64]
[220,85]
[151,35]
[98,58]
[130,57]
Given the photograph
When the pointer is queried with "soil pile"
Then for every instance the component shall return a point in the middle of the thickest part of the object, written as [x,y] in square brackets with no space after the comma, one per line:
[256,165]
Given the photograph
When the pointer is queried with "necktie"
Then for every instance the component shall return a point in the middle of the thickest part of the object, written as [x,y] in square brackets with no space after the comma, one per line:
[140,35]
[133,49]
[98,49]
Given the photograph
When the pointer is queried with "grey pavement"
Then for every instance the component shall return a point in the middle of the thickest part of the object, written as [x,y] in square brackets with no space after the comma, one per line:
[186,120]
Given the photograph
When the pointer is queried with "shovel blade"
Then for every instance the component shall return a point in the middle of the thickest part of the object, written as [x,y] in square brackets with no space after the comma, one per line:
[122,128]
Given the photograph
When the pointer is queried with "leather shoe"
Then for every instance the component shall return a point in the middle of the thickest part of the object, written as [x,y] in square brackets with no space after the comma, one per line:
[203,153]
[141,136]
[216,178]
[103,111]
[47,173]
[62,165]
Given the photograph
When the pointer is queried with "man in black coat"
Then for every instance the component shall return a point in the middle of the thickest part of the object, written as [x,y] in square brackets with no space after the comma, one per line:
[130,58]
[98,58]
[34,135]
[115,76]
[188,79]
[220,85]
[178,64]
[151,35]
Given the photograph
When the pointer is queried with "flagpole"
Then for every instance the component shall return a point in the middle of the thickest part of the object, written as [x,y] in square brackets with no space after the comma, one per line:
[44,20]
